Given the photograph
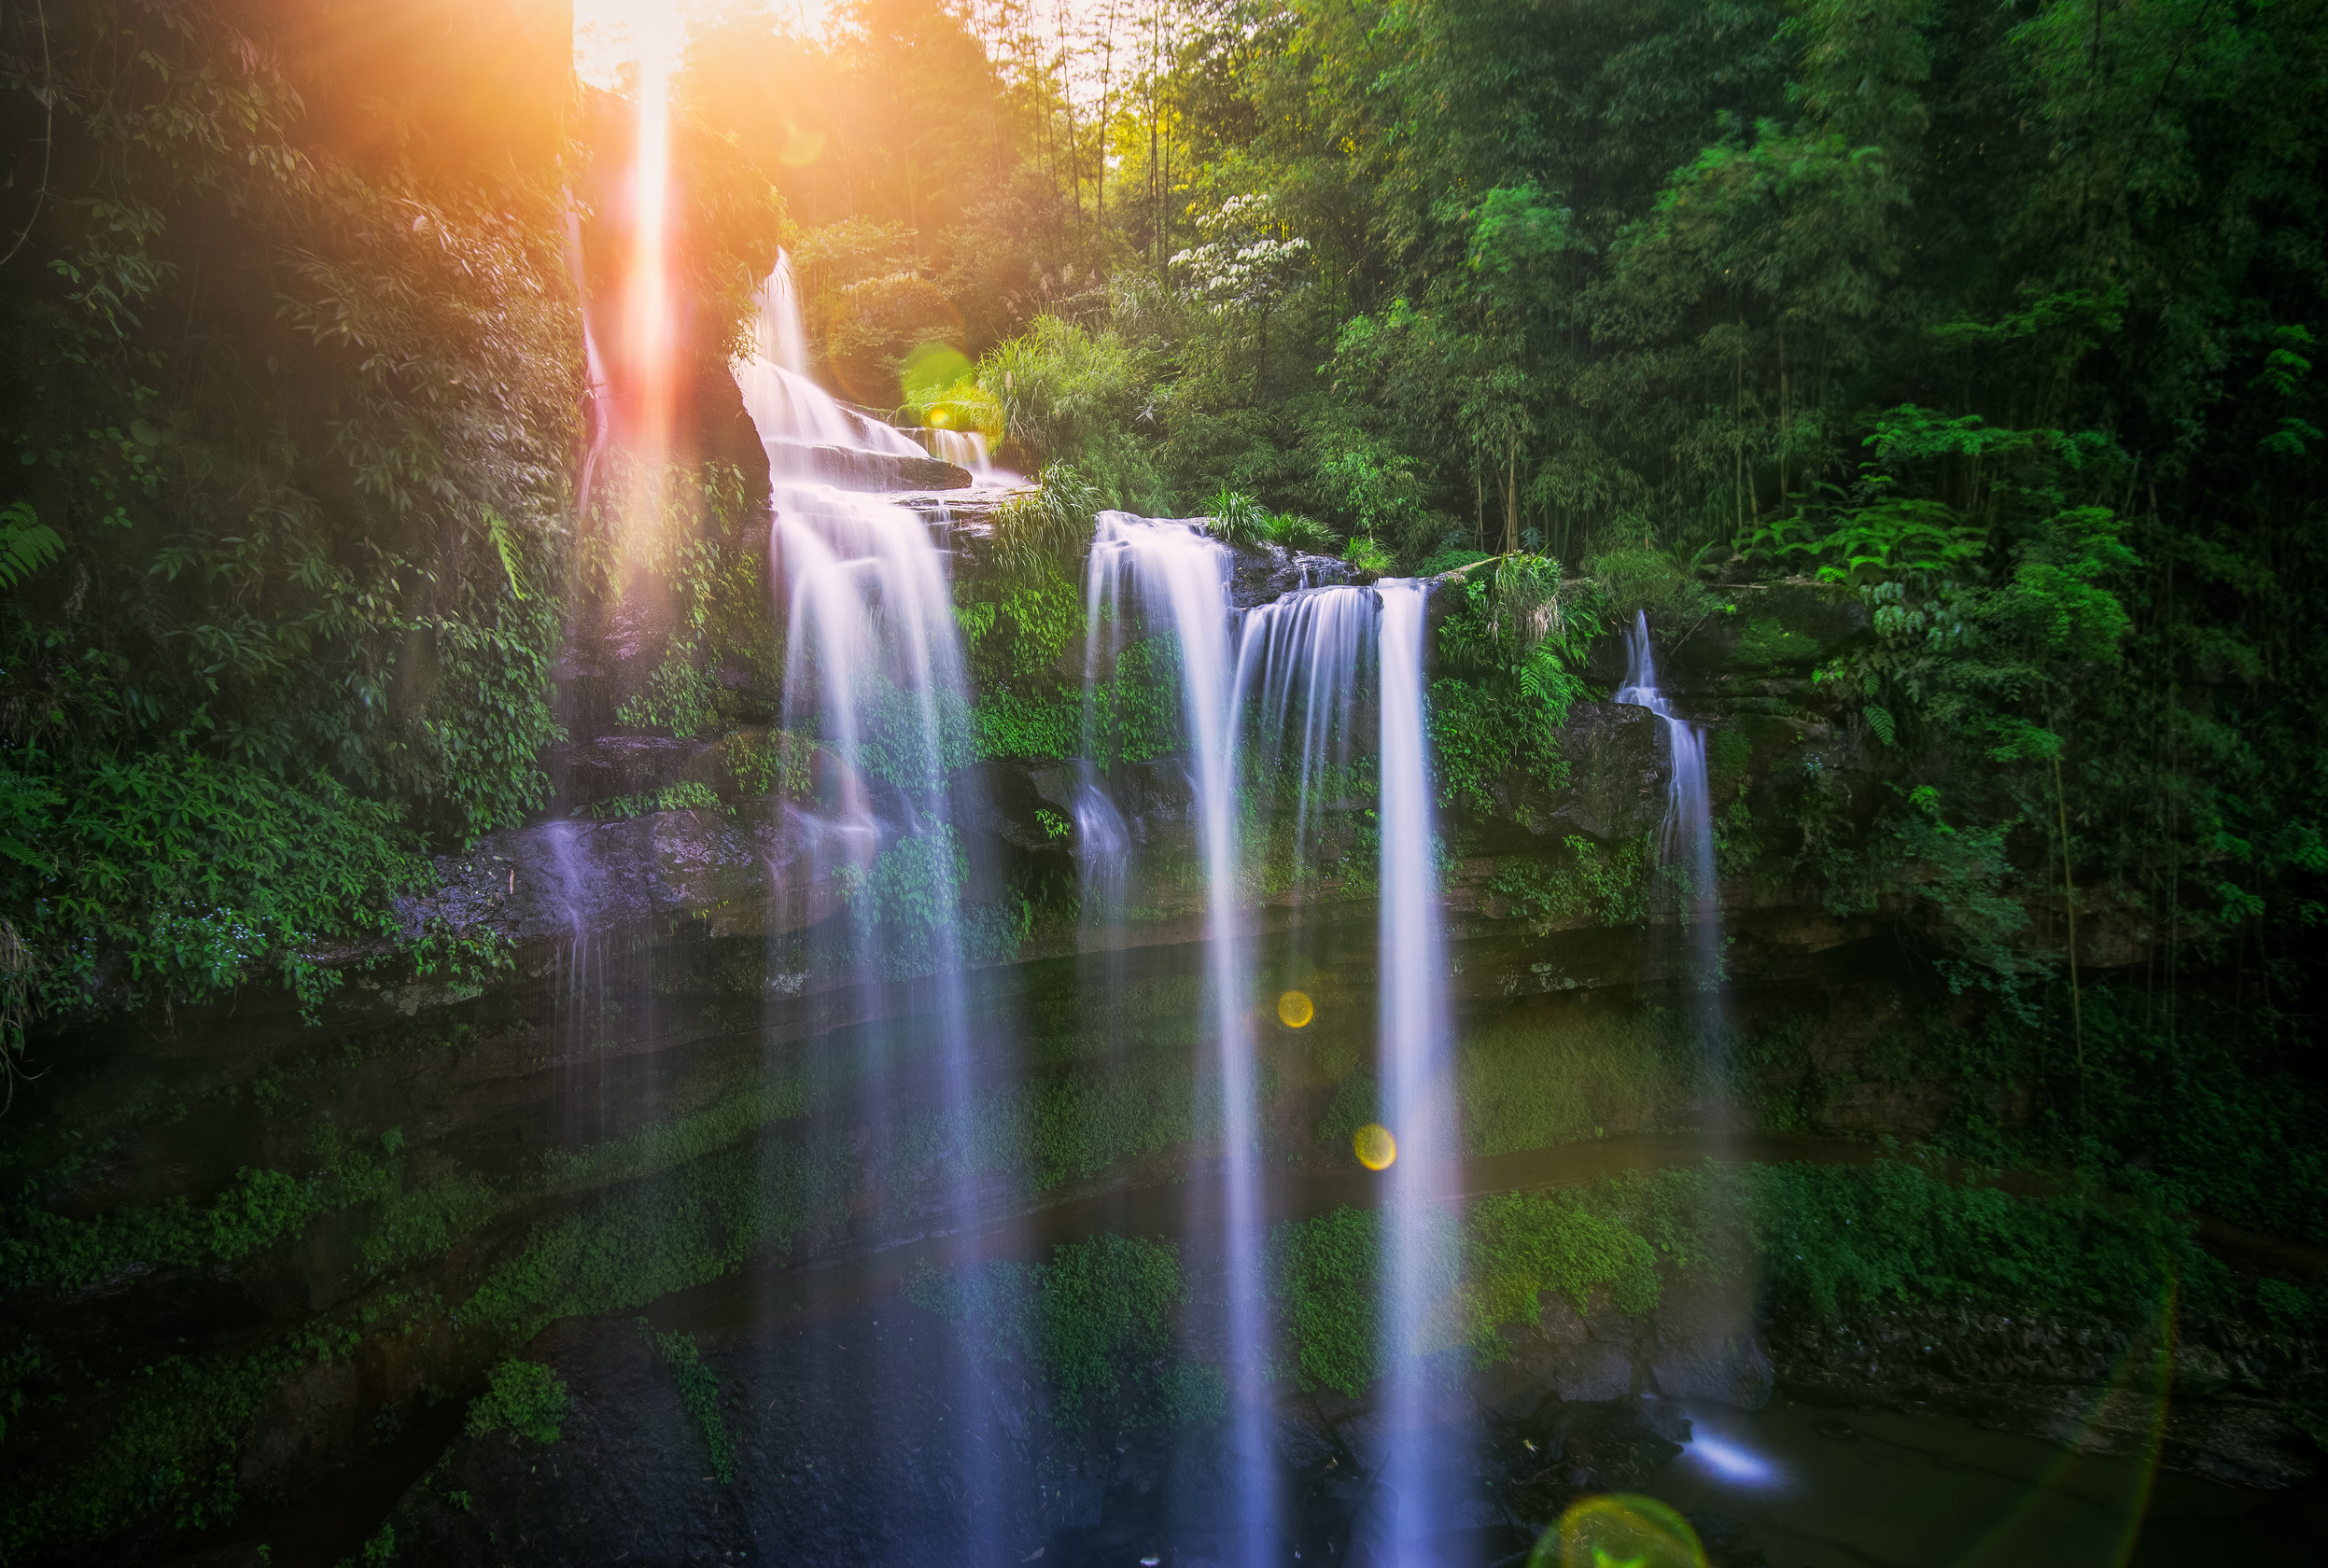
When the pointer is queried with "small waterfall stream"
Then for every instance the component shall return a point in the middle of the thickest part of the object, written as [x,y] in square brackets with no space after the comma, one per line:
[964,448]
[1300,666]
[1415,1051]
[1684,839]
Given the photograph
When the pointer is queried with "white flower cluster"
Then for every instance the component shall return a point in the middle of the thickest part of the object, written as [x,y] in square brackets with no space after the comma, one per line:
[1247,262]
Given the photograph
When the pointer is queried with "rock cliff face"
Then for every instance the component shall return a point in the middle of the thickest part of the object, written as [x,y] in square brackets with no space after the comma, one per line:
[324,1229]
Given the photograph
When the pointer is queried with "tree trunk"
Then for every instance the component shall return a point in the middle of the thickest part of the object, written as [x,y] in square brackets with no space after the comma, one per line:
[1511,500]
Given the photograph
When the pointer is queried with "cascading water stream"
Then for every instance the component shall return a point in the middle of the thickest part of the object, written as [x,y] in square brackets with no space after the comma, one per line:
[874,672]
[1415,1051]
[1299,667]
[1178,579]
[1685,838]
[964,448]
[793,415]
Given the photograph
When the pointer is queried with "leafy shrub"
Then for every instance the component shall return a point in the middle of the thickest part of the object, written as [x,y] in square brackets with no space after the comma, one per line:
[686,795]
[1294,532]
[679,699]
[1639,577]
[1071,395]
[521,1397]
[778,764]
[1368,558]
[1517,640]
[1450,557]
[1234,517]
[178,875]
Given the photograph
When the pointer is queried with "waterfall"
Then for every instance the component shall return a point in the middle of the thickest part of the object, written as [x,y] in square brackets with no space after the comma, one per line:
[1177,579]
[874,671]
[1414,1049]
[963,448]
[777,335]
[792,413]
[873,668]
[1685,838]
[1299,666]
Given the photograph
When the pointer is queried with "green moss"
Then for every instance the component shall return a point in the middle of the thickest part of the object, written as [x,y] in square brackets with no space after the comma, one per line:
[259,1207]
[1727,759]
[1524,1084]
[699,1393]
[1356,1101]
[1820,1236]
[165,1449]
[1766,641]
[523,1397]
[1077,1123]
[682,1228]
[1094,1324]
[1327,1275]
[1520,1247]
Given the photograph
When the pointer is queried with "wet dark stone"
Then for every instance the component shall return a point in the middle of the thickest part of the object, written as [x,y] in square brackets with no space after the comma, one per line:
[854,468]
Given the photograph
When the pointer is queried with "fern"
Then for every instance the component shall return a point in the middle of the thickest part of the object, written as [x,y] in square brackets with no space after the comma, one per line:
[26,543]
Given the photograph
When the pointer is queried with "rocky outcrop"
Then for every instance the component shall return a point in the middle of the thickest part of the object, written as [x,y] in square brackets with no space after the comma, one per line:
[854,468]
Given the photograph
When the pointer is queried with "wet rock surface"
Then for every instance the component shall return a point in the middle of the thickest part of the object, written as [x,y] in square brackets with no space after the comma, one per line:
[2091,1383]
[853,467]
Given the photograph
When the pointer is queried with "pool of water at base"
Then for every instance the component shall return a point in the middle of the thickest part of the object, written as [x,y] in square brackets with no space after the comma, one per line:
[1816,1486]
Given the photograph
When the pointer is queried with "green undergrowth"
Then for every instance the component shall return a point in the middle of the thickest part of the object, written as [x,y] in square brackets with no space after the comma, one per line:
[167,1446]
[698,1394]
[524,1398]
[1582,882]
[1528,1081]
[684,796]
[2183,1098]
[1094,1325]
[1524,1083]
[258,1208]
[1134,714]
[1821,1238]
[661,1233]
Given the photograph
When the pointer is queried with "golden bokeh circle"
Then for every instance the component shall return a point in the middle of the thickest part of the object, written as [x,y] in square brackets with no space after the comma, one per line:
[1619,1528]
[1295,1009]
[1375,1147]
